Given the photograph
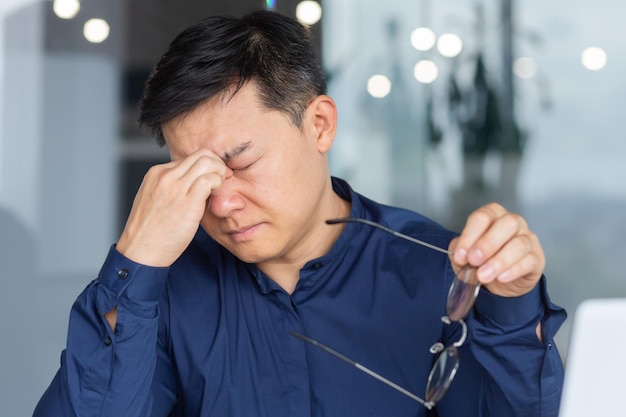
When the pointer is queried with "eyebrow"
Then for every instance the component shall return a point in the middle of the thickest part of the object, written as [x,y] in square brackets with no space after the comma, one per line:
[237,150]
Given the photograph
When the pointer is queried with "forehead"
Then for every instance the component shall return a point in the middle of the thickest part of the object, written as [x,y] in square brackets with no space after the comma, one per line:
[219,123]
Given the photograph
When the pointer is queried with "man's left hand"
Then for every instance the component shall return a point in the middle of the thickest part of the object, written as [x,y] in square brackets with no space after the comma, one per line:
[506,252]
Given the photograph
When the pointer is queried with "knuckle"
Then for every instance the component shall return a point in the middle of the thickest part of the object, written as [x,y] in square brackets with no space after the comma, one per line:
[494,207]
[511,220]
[210,164]
[526,243]
[531,262]
[490,211]
[153,172]
[206,180]
[162,178]
[520,221]
[482,215]
[157,178]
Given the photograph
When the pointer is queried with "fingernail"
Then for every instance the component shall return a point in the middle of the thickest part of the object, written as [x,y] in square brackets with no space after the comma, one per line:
[505,276]
[485,273]
[476,256]
[460,255]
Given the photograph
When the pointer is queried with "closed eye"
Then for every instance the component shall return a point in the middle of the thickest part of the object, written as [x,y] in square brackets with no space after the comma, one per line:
[244,168]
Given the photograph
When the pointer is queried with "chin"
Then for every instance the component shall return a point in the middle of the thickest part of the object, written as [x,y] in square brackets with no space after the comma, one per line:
[250,256]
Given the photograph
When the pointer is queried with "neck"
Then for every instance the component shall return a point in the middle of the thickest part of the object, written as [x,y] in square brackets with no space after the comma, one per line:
[286,272]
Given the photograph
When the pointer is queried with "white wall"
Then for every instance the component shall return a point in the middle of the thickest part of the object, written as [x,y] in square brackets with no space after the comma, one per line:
[58,188]
[7,7]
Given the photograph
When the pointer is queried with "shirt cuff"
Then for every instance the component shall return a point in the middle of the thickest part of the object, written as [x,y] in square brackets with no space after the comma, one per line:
[131,280]
[512,311]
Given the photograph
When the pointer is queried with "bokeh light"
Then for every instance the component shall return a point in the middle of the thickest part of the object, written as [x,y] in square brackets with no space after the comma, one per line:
[594,58]
[378,86]
[449,45]
[525,67]
[422,39]
[96,30]
[66,9]
[425,71]
[308,12]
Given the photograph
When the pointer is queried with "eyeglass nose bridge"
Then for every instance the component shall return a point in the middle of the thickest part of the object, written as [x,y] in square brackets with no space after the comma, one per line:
[439,347]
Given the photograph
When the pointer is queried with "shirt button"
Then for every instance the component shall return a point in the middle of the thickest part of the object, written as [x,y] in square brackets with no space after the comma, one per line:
[122,273]
[108,341]
[316,265]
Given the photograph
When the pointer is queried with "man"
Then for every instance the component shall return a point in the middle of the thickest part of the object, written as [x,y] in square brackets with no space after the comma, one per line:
[195,321]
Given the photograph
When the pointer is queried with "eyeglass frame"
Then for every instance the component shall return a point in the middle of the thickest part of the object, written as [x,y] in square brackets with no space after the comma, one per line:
[438,347]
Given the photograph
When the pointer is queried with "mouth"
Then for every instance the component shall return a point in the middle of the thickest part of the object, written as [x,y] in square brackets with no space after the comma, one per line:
[243,233]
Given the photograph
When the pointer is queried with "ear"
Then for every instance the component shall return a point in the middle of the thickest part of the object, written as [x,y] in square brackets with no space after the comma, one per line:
[323,113]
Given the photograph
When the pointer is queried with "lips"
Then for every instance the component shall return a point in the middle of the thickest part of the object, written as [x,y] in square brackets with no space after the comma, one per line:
[239,230]
[243,233]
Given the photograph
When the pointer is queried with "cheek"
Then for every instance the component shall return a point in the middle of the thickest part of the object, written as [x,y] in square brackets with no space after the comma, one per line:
[277,193]
[208,223]
[286,178]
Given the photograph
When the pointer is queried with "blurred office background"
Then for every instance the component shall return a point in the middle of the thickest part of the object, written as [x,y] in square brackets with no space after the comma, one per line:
[444,105]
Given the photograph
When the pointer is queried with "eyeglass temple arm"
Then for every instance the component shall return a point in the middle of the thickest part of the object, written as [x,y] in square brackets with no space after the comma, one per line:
[361,367]
[388,230]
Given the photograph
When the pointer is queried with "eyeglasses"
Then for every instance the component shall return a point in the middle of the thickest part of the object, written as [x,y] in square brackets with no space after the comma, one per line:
[461,297]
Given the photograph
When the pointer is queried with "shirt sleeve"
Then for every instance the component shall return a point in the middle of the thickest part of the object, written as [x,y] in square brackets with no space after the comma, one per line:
[105,372]
[524,375]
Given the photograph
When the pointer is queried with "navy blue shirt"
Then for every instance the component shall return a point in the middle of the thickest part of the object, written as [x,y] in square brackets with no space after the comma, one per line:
[209,336]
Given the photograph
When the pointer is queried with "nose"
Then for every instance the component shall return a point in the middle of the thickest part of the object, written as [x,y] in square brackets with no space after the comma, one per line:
[227,199]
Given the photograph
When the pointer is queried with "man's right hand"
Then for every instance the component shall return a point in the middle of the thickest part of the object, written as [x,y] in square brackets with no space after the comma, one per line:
[168,207]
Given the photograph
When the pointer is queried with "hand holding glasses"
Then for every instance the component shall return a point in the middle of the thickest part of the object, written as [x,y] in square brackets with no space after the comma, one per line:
[461,297]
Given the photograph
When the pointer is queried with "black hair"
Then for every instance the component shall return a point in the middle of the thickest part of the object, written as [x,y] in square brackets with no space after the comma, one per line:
[217,56]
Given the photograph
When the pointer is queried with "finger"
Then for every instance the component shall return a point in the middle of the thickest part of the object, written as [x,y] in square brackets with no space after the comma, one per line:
[203,185]
[520,279]
[458,257]
[210,172]
[163,175]
[177,177]
[182,163]
[502,263]
[201,158]
[477,224]
[527,266]
[453,249]
[496,237]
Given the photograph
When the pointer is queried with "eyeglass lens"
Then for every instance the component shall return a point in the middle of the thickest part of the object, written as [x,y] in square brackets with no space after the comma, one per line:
[462,293]
[442,374]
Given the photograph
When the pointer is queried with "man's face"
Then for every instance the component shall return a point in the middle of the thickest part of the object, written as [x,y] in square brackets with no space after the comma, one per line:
[271,208]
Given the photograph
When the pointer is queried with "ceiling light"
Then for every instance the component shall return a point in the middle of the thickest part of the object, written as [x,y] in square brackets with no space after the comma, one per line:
[308,12]
[96,30]
[66,9]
